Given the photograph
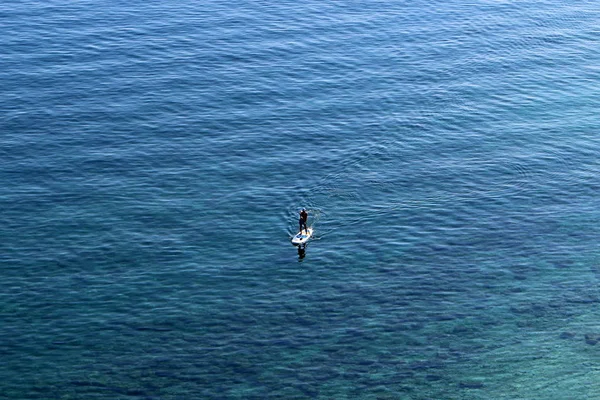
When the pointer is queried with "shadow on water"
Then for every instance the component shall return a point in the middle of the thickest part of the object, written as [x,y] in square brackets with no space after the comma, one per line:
[301,252]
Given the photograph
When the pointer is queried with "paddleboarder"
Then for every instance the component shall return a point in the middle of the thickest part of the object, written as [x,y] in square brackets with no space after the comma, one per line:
[302,220]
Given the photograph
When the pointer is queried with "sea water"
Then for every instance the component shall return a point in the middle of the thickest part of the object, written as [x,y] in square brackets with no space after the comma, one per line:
[155,155]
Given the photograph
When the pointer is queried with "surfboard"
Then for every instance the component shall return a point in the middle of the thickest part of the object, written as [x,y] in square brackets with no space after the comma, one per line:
[302,237]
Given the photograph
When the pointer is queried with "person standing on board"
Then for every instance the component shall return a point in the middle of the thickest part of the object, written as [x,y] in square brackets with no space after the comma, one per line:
[302,220]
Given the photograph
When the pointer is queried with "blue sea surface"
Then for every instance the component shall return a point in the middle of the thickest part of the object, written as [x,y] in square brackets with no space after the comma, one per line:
[154,156]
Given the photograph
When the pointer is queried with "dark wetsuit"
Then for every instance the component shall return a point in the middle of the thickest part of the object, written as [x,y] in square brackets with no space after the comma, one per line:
[302,221]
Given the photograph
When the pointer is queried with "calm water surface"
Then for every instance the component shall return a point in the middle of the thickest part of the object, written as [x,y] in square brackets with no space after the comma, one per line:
[154,156]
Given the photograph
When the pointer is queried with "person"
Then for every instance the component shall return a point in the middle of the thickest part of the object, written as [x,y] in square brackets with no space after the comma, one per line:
[302,220]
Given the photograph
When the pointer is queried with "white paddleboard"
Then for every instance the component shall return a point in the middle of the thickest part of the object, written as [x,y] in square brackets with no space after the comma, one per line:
[302,237]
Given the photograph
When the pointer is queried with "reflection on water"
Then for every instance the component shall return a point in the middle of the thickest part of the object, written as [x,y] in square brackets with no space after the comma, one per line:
[301,251]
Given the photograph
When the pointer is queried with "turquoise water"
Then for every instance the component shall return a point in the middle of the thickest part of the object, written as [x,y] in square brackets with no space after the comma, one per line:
[155,156]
